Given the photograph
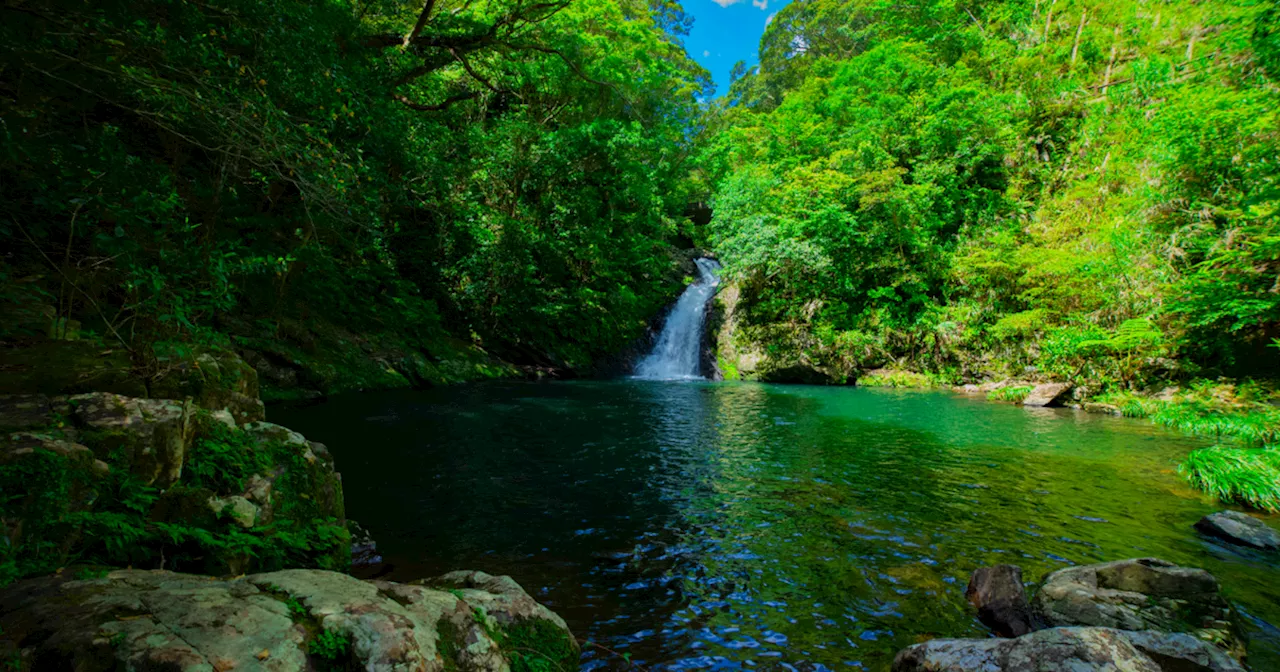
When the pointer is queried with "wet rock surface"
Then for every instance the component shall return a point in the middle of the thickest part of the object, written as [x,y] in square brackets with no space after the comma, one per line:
[283,621]
[1240,528]
[1001,600]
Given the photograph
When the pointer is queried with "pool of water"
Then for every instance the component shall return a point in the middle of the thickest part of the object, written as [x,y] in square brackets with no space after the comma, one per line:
[743,526]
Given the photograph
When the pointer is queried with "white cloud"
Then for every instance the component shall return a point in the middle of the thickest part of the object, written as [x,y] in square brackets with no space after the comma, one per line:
[706,54]
[760,3]
[768,20]
[726,3]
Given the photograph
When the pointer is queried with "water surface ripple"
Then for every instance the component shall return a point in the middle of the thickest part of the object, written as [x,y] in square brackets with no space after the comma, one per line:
[741,526]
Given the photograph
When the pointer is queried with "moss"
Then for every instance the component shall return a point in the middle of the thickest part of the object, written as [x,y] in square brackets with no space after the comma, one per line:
[728,369]
[538,645]
[449,642]
[69,367]
[70,511]
[905,379]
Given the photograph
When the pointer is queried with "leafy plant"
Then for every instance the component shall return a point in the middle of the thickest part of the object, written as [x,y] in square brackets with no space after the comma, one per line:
[1248,477]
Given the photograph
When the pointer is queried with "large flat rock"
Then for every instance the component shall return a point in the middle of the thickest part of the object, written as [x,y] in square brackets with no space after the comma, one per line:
[285,621]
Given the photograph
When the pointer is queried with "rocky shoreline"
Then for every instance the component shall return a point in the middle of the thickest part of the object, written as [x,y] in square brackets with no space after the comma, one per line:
[250,515]
[1139,615]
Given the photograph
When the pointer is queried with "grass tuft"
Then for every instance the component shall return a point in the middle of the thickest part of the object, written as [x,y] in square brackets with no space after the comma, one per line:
[1015,393]
[1243,476]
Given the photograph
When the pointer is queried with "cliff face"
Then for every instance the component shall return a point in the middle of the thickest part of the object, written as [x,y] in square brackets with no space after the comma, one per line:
[769,353]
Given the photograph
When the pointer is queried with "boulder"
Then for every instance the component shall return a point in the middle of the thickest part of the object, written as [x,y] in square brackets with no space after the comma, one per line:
[213,379]
[151,435]
[1240,529]
[1073,649]
[285,621]
[1139,594]
[1001,599]
[1047,394]
[188,469]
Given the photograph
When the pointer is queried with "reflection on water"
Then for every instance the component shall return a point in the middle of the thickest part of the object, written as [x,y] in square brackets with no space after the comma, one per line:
[701,525]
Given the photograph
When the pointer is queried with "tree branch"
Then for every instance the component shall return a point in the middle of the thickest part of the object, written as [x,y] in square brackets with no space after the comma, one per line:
[445,104]
[417,27]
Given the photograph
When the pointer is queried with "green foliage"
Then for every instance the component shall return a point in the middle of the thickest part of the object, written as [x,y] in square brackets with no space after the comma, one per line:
[73,515]
[1248,477]
[330,646]
[908,379]
[889,170]
[176,170]
[536,645]
[1014,393]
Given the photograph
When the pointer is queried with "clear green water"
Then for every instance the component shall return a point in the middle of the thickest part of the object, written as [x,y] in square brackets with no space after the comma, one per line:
[740,526]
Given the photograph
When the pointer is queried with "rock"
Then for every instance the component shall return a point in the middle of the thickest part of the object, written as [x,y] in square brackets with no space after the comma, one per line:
[152,434]
[1068,649]
[134,619]
[1047,394]
[795,373]
[1140,594]
[239,509]
[203,464]
[1001,600]
[68,367]
[213,379]
[1181,652]
[24,411]
[364,550]
[265,431]
[500,596]
[1241,529]
[225,417]
[1095,407]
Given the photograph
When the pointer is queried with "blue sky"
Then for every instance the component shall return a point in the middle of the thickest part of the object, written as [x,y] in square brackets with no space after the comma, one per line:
[725,32]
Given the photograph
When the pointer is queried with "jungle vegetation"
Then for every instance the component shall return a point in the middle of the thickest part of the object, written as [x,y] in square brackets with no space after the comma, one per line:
[1078,189]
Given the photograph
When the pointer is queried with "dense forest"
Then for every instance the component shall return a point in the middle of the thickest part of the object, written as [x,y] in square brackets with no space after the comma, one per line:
[361,194]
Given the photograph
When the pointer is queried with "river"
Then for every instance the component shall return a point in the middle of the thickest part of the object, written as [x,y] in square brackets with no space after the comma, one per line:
[698,525]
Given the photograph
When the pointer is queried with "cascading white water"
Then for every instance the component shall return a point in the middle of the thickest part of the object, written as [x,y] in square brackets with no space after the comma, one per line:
[677,352]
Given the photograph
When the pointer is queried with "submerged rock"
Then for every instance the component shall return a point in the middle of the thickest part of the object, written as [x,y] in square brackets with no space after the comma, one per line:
[1001,599]
[282,621]
[1140,594]
[1073,649]
[1047,394]
[1240,528]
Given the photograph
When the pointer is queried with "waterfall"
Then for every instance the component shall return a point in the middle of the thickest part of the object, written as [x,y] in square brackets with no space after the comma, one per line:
[677,353]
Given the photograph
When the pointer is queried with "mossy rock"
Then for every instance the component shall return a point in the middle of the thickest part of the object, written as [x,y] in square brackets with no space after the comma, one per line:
[288,621]
[68,367]
[154,483]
